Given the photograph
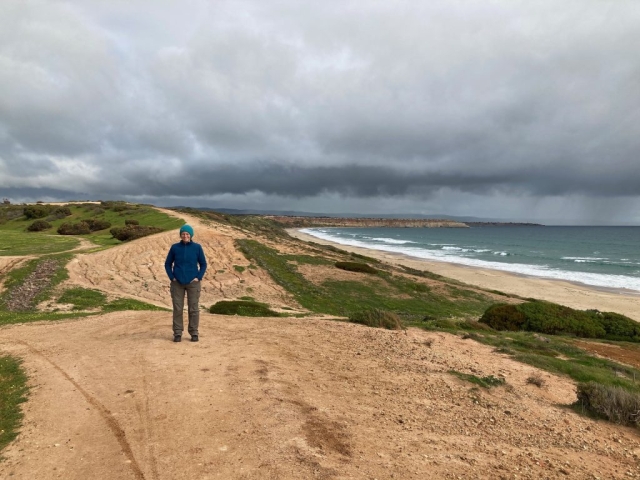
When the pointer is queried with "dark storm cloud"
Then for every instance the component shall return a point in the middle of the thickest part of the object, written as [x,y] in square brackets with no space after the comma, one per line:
[521,101]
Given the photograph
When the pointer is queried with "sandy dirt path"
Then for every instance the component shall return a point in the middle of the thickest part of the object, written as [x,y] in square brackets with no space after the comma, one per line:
[113,397]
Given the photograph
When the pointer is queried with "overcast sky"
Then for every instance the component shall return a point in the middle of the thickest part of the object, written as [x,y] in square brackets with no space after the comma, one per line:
[525,110]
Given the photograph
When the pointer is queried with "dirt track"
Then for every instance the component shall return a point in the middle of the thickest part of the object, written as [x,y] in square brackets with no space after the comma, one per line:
[113,397]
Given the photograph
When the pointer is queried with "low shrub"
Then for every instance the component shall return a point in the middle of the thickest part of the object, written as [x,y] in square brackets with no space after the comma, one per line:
[64,211]
[244,308]
[80,228]
[503,317]
[611,402]
[536,379]
[551,318]
[39,226]
[132,232]
[377,318]
[95,225]
[36,211]
[131,221]
[356,267]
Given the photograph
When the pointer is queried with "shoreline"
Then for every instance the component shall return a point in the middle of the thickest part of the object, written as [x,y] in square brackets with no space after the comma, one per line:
[575,295]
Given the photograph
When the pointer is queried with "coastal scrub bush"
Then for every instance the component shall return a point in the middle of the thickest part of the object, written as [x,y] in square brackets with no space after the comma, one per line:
[551,318]
[356,267]
[244,308]
[96,225]
[503,317]
[614,403]
[36,211]
[38,226]
[80,228]
[377,318]
[132,232]
[64,211]
[131,221]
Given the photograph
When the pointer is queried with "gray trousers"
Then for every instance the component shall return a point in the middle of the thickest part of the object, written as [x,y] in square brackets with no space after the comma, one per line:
[177,297]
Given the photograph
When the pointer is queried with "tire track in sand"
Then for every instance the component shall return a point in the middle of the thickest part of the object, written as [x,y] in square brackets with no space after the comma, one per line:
[105,413]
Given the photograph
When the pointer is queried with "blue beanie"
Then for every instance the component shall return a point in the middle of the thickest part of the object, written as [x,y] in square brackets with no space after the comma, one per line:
[186,228]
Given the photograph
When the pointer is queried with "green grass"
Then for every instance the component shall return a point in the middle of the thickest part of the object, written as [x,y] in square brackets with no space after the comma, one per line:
[239,268]
[558,355]
[122,304]
[409,300]
[83,298]
[33,243]
[15,240]
[9,318]
[307,260]
[13,392]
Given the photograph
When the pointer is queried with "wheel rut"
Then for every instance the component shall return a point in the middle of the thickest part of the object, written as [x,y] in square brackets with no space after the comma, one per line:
[105,413]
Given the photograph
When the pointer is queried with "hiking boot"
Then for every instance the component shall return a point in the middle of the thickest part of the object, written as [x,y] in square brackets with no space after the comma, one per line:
[177,338]
[194,338]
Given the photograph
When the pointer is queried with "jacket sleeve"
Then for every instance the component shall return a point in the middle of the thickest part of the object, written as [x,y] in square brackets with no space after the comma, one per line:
[202,262]
[168,263]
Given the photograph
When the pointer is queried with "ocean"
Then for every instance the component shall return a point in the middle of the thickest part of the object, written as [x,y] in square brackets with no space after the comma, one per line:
[606,257]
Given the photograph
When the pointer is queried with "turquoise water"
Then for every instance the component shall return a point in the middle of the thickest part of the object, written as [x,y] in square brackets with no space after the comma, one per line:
[598,256]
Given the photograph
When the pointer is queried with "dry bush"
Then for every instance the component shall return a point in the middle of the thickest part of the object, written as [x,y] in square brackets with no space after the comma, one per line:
[428,342]
[536,379]
[613,403]
[377,318]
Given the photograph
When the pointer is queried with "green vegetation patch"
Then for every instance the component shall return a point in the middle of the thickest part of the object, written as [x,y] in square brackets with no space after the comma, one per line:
[308,260]
[239,268]
[377,318]
[356,267]
[9,318]
[343,298]
[13,392]
[551,318]
[244,308]
[484,382]
[83,298]
[122,304]
[77,217]
[20,243]
[558,355]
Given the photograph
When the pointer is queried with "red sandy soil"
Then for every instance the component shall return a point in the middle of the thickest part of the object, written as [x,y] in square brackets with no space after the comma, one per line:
[281,398]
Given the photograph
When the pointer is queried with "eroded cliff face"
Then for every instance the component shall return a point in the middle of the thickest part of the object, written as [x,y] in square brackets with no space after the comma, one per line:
[304,222]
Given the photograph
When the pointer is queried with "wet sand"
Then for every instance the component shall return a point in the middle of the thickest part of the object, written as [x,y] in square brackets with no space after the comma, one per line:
[573,295]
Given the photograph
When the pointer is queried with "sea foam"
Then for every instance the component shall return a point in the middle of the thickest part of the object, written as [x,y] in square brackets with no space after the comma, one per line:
[453,255]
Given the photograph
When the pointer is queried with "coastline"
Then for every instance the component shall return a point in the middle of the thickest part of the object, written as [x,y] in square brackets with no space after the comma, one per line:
[574,295]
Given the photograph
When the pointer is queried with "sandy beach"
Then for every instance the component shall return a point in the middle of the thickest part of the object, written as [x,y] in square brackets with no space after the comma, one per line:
[573,295]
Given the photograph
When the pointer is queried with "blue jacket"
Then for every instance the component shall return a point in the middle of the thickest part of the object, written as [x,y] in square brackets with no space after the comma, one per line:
[183,260]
